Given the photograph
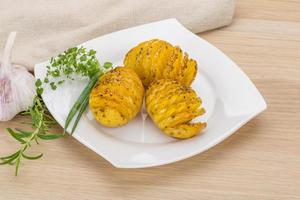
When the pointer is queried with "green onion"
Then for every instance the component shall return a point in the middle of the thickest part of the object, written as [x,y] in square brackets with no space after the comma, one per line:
[82,102]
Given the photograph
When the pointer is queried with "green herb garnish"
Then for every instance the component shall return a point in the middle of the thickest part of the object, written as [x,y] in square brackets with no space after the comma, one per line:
[66,66]
[41,122]
[72,62]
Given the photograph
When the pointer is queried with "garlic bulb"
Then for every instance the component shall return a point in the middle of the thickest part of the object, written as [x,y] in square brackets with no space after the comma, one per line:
[17,85]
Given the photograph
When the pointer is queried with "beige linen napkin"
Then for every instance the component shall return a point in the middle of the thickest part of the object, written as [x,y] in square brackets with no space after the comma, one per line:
[46,28]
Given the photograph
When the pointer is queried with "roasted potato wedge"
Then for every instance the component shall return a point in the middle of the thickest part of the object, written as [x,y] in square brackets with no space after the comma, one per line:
[117,97]
[172,106]
[156,59]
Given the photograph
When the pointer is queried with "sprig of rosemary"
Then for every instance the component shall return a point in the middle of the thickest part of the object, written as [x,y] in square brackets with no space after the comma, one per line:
[41,123]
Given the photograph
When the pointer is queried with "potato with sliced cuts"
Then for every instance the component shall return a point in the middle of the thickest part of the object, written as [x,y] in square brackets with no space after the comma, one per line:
[117,97]
[172,106]
[157,59]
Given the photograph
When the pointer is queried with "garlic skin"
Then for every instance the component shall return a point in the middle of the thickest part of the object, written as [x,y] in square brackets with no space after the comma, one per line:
[17,85]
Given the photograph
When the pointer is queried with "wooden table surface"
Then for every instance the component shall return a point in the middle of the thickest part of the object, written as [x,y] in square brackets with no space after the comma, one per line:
[260,161]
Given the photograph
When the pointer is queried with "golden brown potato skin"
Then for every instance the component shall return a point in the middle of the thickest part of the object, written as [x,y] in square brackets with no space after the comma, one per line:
[117,97]
[172,106]
[157,59]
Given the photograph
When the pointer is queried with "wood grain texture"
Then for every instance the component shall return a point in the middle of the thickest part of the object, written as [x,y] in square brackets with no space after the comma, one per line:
[260,161]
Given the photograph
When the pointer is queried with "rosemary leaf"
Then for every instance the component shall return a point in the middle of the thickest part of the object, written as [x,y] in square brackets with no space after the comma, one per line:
[16,135]
[32,157]
[50,137]
[23,133]
[10,156]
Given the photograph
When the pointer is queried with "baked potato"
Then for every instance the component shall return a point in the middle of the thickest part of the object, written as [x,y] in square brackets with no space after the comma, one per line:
[156,59]
[117,97]
[172,106]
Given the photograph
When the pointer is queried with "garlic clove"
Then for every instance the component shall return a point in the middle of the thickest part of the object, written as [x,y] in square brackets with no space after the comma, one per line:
[17,85]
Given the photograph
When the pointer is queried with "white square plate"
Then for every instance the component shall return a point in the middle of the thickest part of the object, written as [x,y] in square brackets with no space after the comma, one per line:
[228,95]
